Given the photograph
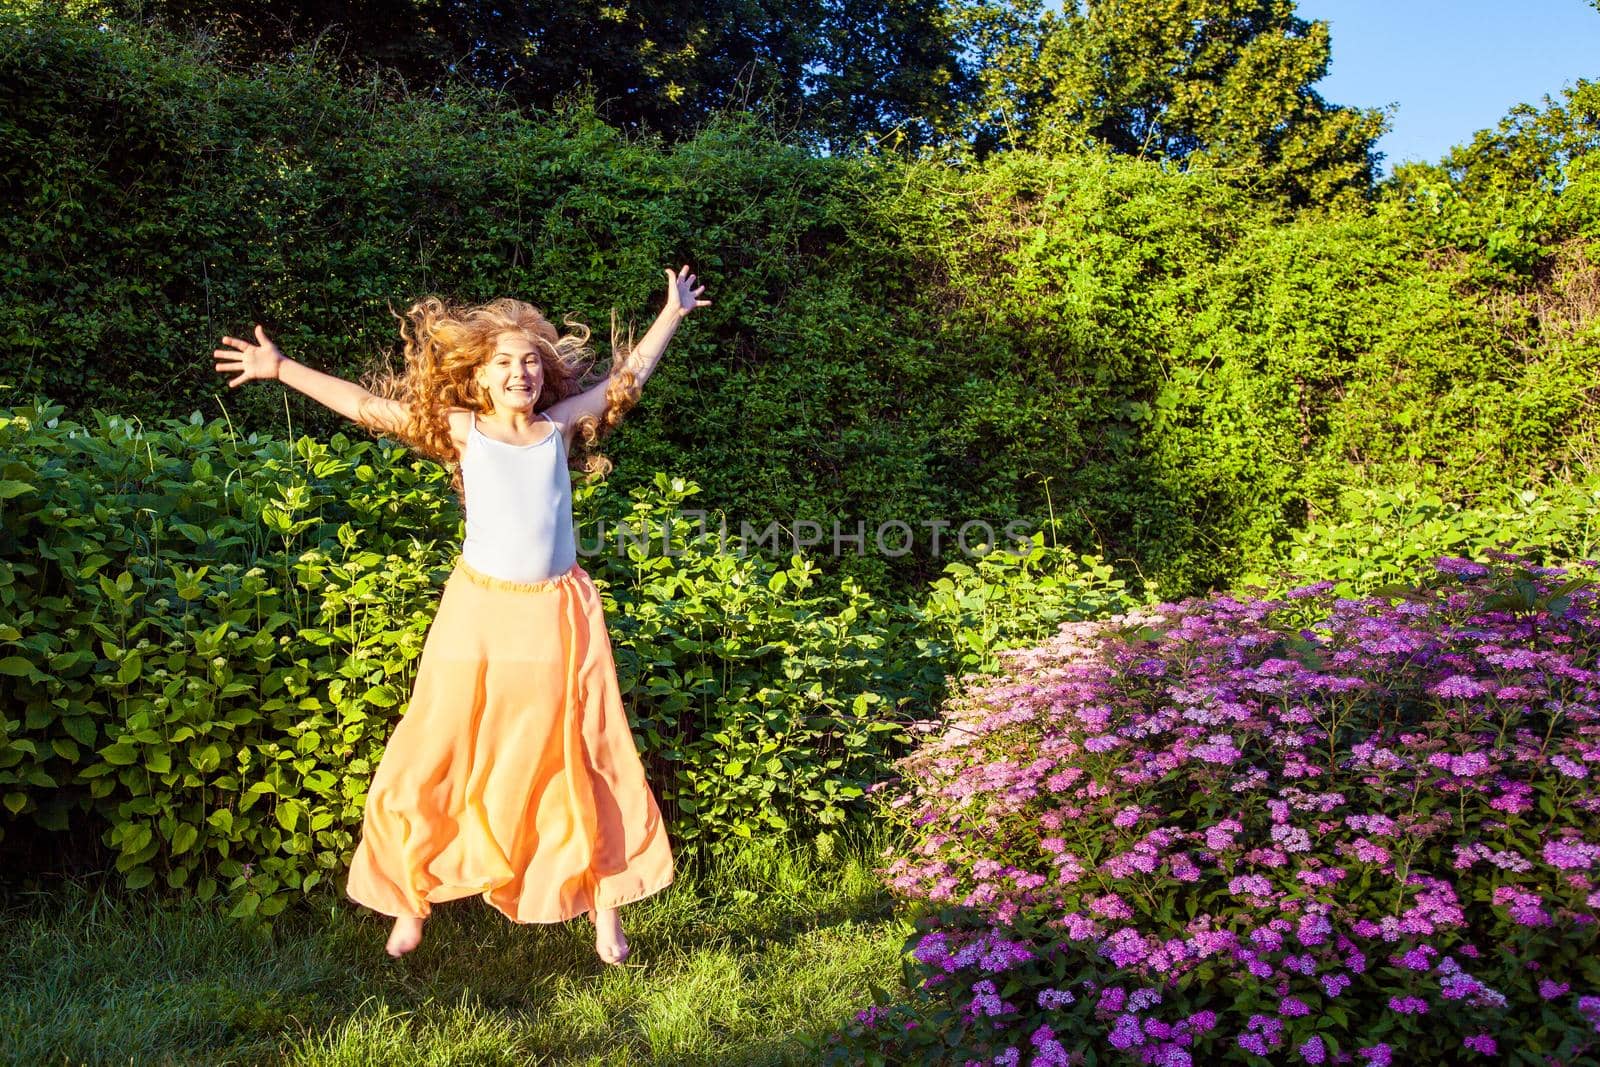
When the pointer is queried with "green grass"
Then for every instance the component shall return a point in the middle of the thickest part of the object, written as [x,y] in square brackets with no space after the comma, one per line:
[743,962]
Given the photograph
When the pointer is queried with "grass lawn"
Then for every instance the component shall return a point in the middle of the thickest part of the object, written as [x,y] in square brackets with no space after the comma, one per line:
[737,963]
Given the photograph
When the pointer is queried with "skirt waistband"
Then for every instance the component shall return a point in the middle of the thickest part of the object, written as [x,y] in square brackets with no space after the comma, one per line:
[465,570]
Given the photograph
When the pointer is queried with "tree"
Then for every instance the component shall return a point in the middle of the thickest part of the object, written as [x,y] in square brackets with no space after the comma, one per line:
[1223,84]
[886,65]
[834,69]
[1517,189]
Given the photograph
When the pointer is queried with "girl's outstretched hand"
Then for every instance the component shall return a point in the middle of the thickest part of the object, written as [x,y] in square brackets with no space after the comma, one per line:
[251,362]
[682,295]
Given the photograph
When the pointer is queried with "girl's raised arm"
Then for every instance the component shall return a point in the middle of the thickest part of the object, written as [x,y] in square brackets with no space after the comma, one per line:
[263,360]
[683,296]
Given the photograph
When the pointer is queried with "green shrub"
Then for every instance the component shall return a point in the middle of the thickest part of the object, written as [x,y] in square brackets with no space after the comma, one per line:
[757,696]
[205,640]
[1389,535]
[1014,597]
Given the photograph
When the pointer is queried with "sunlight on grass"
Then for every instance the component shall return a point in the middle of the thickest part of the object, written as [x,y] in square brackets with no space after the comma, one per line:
[741,963]
[463,1033]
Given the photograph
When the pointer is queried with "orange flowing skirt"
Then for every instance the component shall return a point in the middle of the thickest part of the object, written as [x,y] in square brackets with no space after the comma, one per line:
[513,774]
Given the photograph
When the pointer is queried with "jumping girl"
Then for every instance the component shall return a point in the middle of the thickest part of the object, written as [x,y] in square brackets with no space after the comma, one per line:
[513,773]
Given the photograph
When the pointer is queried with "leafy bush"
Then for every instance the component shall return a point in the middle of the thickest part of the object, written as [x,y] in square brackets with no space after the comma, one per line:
[1314,829]
[1515,190]
[184,663]
[1015,596]
[1393,534]
[759,698]
[1201,378]
[204,642]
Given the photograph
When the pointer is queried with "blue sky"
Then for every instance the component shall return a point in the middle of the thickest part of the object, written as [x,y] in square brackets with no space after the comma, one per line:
[1452,67]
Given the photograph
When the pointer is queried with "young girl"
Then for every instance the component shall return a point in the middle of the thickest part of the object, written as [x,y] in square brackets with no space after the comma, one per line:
[513,773]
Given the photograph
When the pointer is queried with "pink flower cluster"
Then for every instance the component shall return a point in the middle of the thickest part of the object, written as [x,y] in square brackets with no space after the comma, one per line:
[1273,827]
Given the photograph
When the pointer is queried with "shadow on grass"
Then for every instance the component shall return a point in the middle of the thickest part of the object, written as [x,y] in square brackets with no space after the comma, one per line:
[740,962]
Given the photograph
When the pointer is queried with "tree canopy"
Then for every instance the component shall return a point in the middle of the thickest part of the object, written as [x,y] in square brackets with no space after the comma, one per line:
[1223,84]
[831,70]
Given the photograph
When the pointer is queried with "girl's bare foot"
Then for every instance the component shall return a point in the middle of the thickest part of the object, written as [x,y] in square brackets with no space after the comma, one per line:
[406,935]
[609,943]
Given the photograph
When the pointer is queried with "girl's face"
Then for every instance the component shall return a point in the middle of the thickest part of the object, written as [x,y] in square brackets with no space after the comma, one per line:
[514,374]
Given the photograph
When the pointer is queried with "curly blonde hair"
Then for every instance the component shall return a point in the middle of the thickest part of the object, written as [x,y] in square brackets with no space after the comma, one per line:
[446,342]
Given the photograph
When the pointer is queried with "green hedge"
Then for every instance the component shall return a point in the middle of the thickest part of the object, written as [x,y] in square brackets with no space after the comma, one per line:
[1179,375]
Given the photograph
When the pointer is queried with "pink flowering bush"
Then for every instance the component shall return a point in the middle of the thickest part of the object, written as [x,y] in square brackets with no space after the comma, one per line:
[1308,830]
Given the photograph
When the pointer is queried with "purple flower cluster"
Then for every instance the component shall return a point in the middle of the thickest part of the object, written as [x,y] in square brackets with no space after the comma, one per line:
[1344,814]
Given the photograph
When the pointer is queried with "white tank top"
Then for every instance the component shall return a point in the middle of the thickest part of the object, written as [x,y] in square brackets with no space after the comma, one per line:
[519,507]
